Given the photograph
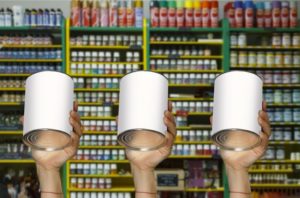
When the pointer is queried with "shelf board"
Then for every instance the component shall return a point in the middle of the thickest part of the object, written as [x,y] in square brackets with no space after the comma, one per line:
[95,103]
[270,171]
[100,161]
[190,85]
[190,99]
[12,89]
[282,142]
[102,147]
[107,29]
[101,176]
[190,157]
[97,75]
[264,30]
[14,75]
[279,161]
[193,142]
[202,42]
[184,57]
[129,189]
[11,133]
[281,85]
[98,118]
[84,62]
[16,161]
[242,67]
[285,124]
[275,185]
[283,105]
[30,46]
[108,47]
[32,60]
[26,28]
[204,189]
[10,103]
[187,71]
[264,48]
[100,89]
[184,29]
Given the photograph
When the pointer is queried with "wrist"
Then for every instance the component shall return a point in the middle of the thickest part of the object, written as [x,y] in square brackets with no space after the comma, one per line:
[238,179]
[49,179]
[144,179]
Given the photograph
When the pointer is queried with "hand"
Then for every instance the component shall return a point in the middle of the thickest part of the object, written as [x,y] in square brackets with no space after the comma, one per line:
[244,159]
[148,160]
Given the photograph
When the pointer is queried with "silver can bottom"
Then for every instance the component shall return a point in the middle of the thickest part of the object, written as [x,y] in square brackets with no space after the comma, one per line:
[141,139]
[47,139]
[236,139]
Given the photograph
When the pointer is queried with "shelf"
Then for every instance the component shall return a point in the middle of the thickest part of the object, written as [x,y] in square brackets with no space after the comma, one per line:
[283,105]
[98,118]
[17,161]
[188,71]
[190,157]
[32,60]
[11,133]
[279,161]
[184,57]
[193,142]
[285,124]
[204,189]
[271,171]
[12,89]
[202,42]
[102,190]
[97,75]
[282,142]
[194,127]
[30,46]
[10,103]
[101,176]
[100,161]
[26,28]
[174,29]
[139,63]
[266,68]
[265,48]
[106,29]
[94,103]
[100,89]
[281,85]
[190,99]
[191,85]
[14,75]
[264,30]
[100,132]
[108,47]
[102,147]
[275,185]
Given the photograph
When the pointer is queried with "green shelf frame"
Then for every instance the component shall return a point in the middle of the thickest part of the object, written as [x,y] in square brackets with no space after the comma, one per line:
[106,29]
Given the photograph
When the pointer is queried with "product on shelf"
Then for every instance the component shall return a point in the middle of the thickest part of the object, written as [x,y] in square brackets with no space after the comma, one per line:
[30,54]
[279,96]
[100,194]
[12,83]
[94,83]
[284,115]
[100,154]
[97,97]
[194,149]
[107,13]
[186,78]
[10,120]
[283,193]
[25,39]
[266,14]
[28,68]
[99,140]
[95,111]
[6,97]
[99,125]
[184,64]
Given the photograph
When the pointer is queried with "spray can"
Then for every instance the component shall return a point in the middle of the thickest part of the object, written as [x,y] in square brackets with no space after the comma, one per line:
[58,19]
[104,14]
[276,13]
[249,14]
[27,17]
[268,15]
[113,14]
[214,14]
[33,17]
[154,13]
[197,14]
[163,14]
[86,14]
[95,20]
[172,14]
[130,13]
[46,17]
[260,14]
[138,13]
[39,17]
[180,13]
[8,18]
[285,6]
[229,13]
[52,16]
[122,13]
[2,17]
[206,13]
[239,14]
[293,14]
[75,13]
[189,13]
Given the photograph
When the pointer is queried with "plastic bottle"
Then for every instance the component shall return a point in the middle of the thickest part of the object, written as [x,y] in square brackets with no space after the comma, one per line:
[95,22]
[8,17]
[154,13]
[239,14]
[104,20]
[113,13]
[293,14]
[206,13]
[75,13]
[138,13]
[229,13]
[130,13]
[197,14]
[260,14]
[214,14]
[249,14]
[276,13]
[285,6]
[180,13]
[163,14]
[86,14]
[2,17]
[189,13]
[172,13]
[122,13]
[268,15]
[59,16]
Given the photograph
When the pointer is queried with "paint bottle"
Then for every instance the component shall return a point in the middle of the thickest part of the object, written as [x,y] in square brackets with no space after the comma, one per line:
[249,14]
[104,14]
[239,14]
[276,13]
[130,13]
[172,13]
[214,14]
[189,13]
[138,10]
[293,14]
[122,13]
[260,14]
[285,6]
[86,14]
[205,13]
[229,13]
[197,14]
[113,13]
[154,13]
[179,13]
[163,14]
[95,14]
[268,15]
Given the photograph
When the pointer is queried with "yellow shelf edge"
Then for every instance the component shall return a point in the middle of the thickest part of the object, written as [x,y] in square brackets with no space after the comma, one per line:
[11,133]
[193,142]
[100,132]
[98,161]
[190,157]
[30,46]
[190,85]
[101,89]
[16,161]
[14,75]
[12,89]
[96,75]
[216,42]
[139,63]
[271,171]
[131,189]
[10,103]
[191,99]
[102,147]
[101,176]
[185,57]
[31,60]
[187,71]
[103,47]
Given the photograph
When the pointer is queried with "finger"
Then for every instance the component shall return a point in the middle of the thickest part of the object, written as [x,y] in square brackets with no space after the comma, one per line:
[211,119]
[264,106]
[169,115]
[265,127]
[76,127]
[171,130]
[21,120]
[75,116]
[264,116]
[170,107]
[75,106]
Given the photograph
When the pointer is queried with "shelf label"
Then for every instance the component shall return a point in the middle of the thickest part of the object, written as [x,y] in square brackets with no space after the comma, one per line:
[135,47]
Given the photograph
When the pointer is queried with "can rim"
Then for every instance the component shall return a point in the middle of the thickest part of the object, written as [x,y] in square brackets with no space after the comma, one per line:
[25,138]
[142,71]
[214,138]
[260,77]
[122,134]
